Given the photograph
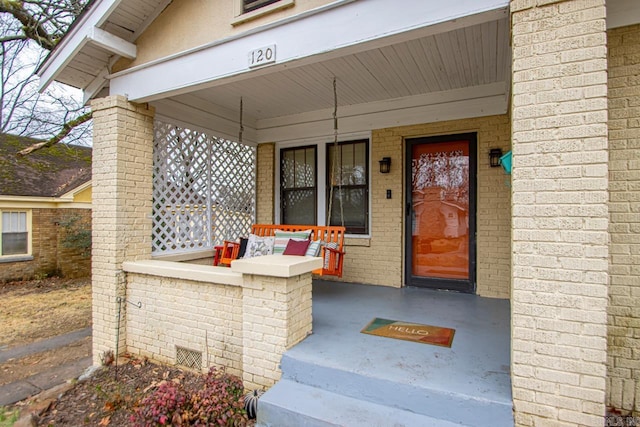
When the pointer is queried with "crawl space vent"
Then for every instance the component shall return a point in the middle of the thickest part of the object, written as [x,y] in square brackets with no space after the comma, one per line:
[189,358]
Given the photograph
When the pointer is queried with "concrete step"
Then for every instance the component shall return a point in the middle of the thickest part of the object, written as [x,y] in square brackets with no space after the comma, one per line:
[404,393]
[291,404]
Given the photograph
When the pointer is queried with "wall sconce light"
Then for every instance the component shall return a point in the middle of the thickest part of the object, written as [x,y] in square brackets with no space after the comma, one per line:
[494,157]
[385,165]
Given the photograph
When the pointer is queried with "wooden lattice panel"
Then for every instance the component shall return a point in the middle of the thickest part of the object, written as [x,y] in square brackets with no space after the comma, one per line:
[203,190]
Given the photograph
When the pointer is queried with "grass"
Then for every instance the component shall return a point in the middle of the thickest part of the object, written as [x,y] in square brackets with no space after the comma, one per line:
[25,315]
[7,418]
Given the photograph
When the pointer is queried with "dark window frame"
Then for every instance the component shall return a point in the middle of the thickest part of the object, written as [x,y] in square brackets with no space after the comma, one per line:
[364,230]
[251,5]
[284,190]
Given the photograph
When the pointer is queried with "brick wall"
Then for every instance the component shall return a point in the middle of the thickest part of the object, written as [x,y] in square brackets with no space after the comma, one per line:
[277,313]
[244,323]
[265,183]
[122,206]
[49,256]
[212,324]
[623,382]
[72,262]
[560,213]
[379,260]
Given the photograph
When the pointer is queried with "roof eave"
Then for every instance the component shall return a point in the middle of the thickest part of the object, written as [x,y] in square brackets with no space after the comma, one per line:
[93,16]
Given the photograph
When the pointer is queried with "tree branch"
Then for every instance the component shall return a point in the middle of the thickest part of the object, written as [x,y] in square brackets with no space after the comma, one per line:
[14,38]
[66,128]
[31,26]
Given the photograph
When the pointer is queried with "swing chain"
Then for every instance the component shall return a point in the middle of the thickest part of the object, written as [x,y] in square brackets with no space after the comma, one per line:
[241,125]
[334,161]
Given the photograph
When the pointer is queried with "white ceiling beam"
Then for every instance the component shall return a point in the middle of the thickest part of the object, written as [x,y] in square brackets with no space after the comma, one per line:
[476,101]
[317,35]
[213,121]
[112,43]
[73,42]
[621,13]
[95,86]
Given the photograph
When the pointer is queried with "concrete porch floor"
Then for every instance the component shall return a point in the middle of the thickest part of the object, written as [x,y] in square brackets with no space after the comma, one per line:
[461,385]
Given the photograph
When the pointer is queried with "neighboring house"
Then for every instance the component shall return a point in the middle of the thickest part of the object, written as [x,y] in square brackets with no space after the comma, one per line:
[434,86]
[44,198]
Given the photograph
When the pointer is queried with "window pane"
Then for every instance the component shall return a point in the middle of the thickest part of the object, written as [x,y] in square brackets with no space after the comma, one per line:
[310,161]
[352,171]
[299,207]
[298,185]
[360,164]
[305,165]
[288,169]
[14,221]
[22,221]
[249,5]
[354,209]
[14,243]
[333,179]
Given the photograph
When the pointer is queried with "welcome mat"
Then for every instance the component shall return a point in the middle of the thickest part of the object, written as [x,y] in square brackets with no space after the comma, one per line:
[415,332]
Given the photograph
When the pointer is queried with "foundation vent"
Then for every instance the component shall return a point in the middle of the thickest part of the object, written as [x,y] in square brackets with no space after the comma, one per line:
[189,358]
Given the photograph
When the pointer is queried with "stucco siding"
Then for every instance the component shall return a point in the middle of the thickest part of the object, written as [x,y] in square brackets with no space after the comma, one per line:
[186,24]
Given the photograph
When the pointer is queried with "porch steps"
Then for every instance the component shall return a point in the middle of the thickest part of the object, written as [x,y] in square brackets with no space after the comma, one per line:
[316,394]
[291,404]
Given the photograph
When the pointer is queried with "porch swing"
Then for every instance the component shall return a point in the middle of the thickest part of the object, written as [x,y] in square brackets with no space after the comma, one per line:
[331,238]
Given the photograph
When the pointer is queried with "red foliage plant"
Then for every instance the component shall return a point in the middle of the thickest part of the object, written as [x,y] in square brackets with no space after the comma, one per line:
[216,401]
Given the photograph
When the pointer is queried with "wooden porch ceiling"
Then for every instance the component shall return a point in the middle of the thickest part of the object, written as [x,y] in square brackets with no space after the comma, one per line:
[463,58]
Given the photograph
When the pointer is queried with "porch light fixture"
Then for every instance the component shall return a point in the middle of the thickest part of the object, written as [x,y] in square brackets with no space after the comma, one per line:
[494,157]
[385,165]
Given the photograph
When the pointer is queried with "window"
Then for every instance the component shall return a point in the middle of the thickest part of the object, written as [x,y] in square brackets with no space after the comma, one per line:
[298,191]
[350,183]
[251,5]
[15,233]
[248,10]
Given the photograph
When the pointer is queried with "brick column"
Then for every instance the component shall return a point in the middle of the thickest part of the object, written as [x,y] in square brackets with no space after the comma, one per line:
[276,314]
[121,217]
[623,382]
[265,183]
[560,214]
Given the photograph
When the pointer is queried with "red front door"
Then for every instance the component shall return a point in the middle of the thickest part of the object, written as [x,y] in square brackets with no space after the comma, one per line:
[441,212]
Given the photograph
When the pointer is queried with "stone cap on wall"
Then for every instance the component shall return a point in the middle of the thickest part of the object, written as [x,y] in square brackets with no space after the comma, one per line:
[277,265]
[180,270]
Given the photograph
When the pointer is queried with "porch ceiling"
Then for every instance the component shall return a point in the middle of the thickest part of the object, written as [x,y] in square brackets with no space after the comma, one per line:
[467,57]
[459,54]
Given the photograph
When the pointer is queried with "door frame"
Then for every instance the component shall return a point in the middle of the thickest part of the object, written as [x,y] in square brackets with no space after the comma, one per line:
[467,286]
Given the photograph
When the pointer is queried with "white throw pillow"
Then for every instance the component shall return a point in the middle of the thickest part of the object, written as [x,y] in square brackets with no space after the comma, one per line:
[258,246]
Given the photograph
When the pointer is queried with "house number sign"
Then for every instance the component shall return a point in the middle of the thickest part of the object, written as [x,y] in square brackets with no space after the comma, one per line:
[262,56]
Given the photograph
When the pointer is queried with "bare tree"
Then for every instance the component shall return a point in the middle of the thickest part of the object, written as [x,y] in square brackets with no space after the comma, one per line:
[29,29]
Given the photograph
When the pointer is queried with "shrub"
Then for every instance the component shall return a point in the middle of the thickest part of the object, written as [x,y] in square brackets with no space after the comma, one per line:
[217,400]
[77,234]
[160,408]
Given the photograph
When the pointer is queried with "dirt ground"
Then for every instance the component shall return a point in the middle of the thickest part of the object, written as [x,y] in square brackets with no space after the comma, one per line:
[39,309]
[34,310]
